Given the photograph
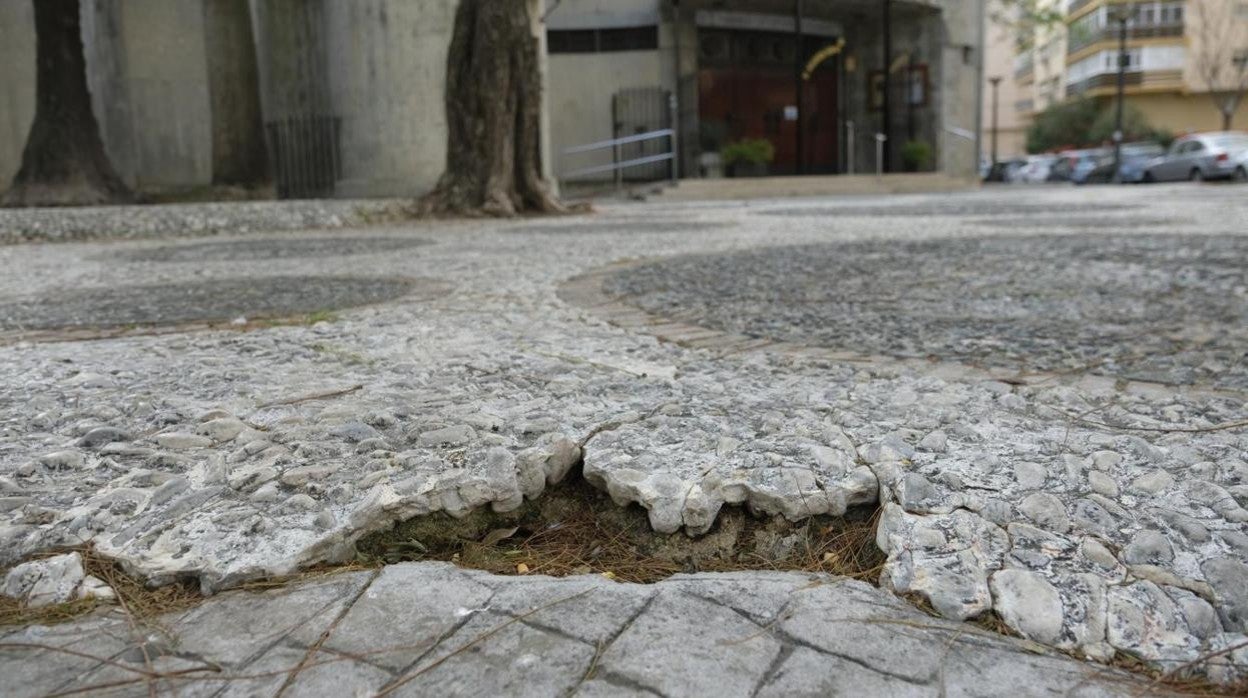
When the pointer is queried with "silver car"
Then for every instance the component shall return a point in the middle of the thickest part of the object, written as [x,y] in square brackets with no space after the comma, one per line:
[1200,157]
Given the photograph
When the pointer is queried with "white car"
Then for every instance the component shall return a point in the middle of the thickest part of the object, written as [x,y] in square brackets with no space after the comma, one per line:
[1037,169]
[1200,157]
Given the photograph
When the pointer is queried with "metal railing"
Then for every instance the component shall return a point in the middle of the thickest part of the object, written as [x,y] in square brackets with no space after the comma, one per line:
[618,166]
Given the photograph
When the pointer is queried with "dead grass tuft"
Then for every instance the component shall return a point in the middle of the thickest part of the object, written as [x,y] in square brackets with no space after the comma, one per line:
[141,602]
[577,529]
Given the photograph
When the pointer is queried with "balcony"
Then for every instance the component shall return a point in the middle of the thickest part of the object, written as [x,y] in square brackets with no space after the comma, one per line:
[1073,6]
[1079,40]
[1103,80]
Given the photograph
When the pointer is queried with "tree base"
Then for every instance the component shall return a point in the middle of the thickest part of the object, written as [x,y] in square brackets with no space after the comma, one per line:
[493,110]
[49,194]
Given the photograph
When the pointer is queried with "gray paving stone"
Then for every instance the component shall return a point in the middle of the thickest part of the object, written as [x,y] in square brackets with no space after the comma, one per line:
[723,653]
[520,381]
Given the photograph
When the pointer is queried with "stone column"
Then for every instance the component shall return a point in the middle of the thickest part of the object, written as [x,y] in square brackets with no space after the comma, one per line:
[238,153]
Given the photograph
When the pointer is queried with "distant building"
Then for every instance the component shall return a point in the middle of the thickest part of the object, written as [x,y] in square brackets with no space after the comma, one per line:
[1171,44]
[1000,41]
[732,69]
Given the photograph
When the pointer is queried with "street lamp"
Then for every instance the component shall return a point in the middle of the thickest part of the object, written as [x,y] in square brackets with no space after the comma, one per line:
[1121,15]
[996,82]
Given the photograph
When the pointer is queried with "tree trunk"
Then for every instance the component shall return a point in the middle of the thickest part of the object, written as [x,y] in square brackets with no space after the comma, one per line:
[493,114]
[64,163]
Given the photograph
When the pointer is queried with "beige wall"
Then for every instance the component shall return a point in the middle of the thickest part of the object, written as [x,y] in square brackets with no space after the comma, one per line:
[387,65]
[17,83]
[147,71]
[999,62]
[1186,113]
[961,85]
[581,86]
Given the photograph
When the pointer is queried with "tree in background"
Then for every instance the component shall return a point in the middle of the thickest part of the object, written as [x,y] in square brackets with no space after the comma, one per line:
[64,162]
[1083,122]
[493,111]
[1062,125]
[1221,53]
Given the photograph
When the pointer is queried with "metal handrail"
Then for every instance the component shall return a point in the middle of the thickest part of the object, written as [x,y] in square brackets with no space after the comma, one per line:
[617,167]
[650,135]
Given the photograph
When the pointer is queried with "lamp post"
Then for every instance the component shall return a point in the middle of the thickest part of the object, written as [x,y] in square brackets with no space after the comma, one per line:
[996,82]
[886,21]
[1122,15]
[799,58]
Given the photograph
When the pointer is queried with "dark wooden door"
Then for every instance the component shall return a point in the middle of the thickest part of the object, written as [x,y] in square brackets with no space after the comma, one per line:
[737,103]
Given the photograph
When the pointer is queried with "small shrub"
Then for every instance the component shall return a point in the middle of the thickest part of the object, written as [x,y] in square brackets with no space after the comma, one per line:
[756,151]
[916,155]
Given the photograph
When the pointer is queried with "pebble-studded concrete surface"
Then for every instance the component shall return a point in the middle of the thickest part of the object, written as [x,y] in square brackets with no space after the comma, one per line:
[1097,516]
[1162,308]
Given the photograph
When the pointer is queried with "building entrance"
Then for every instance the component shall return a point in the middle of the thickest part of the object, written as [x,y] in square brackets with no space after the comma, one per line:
[747,89]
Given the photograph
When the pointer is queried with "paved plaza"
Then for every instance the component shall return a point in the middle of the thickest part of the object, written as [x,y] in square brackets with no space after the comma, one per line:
[1040,393]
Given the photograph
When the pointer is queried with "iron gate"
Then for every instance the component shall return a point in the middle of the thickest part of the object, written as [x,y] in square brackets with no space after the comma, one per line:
[636,111]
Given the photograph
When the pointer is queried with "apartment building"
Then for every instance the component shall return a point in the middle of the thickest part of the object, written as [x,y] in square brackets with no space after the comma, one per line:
[1184,60]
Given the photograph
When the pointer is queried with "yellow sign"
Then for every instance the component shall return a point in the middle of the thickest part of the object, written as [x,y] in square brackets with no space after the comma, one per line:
[824,54]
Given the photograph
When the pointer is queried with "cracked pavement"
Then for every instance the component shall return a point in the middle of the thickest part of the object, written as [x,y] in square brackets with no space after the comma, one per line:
[1086,487]
[427,629]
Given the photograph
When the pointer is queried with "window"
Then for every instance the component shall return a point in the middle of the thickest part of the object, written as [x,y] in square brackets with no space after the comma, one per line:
[575,41]
[602,40]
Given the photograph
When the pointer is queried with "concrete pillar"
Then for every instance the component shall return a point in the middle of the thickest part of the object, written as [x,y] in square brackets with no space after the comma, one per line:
[146,68]
[537,11]
[17,83]
[238,152]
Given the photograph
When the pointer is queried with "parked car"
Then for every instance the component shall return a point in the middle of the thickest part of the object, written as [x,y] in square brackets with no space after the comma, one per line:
[1240,174]
[1074,165]
[1004,170]
[1136,157]
[1200,157]
[1036,170]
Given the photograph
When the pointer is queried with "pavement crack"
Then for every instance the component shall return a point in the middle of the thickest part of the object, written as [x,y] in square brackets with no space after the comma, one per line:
[324,636]
[749,618]
[601,648]
[448,633]
[851,659]
[614,424]
[626,682]
[778,661]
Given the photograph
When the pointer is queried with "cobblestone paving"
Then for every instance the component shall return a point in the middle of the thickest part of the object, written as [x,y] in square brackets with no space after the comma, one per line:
[272,248]
[1092,515]
[424,629]
[220,300]
[1163,308]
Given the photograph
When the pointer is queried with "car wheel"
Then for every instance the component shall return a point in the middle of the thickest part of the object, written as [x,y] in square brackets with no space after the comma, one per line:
[1149,178]
[1241,174]
[1196,175]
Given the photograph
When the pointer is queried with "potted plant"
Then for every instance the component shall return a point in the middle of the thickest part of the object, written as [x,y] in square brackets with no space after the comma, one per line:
[916,155]
[747,157]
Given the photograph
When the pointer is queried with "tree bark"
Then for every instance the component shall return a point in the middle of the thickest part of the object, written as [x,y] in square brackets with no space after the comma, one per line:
[64,163]
[493,114]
